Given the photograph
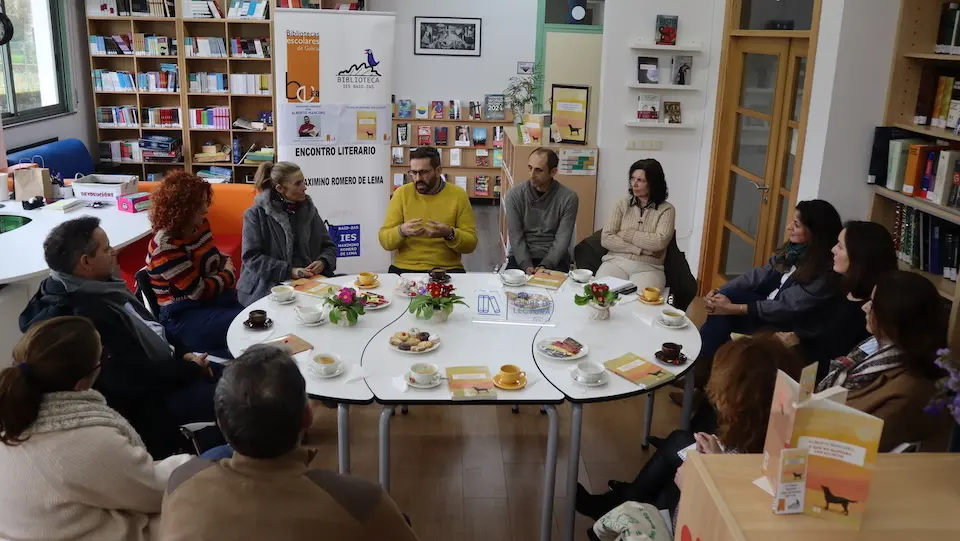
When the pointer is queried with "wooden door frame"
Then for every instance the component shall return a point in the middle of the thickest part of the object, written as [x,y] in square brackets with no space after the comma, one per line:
[710,236]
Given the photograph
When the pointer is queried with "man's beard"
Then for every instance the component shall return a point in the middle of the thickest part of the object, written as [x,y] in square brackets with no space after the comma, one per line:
[422,186]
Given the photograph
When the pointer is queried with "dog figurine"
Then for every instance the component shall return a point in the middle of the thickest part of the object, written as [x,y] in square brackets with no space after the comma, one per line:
[830,497]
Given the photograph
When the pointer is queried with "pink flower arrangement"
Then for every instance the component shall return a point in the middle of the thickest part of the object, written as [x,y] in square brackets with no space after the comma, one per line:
[346,303]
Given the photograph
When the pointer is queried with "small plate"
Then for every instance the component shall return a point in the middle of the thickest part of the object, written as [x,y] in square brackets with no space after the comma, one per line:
[676,362]
[314,324]
[374,285]
[377,307]
[409,379]
[667,325]
[398,350]
[266,325]
[658,302]
[340,370]
[283,303]
[543,343]
[507,387]
[603,380]
[511,284]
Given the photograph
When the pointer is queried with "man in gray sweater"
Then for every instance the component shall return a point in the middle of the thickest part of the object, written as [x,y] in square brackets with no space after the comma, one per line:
[541,217]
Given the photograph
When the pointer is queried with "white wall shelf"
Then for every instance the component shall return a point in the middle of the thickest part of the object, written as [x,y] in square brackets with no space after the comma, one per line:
[659,125]
[653,86]
[691,47]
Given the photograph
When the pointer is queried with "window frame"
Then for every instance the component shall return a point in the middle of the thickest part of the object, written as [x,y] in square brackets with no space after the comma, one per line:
[59,33]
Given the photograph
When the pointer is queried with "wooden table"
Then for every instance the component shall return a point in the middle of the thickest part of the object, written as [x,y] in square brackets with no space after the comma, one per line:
[913,496]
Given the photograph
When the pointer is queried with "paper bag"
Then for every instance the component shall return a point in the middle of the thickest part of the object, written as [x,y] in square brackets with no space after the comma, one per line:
[29,183]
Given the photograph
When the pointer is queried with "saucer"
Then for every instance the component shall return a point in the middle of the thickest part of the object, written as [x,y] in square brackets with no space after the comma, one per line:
[375,284]
[340,370]
[669,326]
[512,284]
[510,387]
[602,381]
[314,324]
[658,302]
[676,362]
[266,325]
[282,303]
[409,379]
[443,281]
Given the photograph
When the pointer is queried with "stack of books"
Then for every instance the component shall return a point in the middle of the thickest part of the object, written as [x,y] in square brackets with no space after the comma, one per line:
[119,151]
[250,47]
[165,80]
[248,9]
[161,148]
[208,83]
[161,117]
[113,81]
[123,116]
[216,174]
[210,118]
[262,155]
[221,154]
[251,83]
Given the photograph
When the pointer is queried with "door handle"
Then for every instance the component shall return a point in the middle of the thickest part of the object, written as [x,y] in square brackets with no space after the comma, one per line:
[761,187]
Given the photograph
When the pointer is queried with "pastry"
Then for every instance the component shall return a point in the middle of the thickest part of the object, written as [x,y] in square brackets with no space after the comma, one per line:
[394,341]
[423,336]
[404,347]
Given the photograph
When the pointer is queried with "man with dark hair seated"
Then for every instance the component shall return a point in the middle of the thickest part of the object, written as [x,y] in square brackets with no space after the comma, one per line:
[430,223]
[146,375]
[267,490]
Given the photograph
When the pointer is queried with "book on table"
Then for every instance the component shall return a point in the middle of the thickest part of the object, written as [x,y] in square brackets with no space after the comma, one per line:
[471,383]
[548,279]
[635,369]
[313,286]
[293,343]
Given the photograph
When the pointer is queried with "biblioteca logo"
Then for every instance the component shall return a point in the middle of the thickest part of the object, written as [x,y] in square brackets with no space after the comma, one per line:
[363,75]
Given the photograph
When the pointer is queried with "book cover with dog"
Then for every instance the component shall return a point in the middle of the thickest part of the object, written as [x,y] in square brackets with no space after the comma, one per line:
[637,370]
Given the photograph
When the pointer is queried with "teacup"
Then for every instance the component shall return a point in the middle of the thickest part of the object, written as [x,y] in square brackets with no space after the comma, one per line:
[514,276]
[257,318]
[670,351]
[511,374]
[589,372]
[326,364]
[651,294]
[439,275]
[367,278]
[672,316]
[282,293]
[581,275]
[310,314]
[424,373]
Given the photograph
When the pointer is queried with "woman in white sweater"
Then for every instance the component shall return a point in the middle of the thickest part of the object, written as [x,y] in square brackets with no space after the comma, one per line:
[71,467]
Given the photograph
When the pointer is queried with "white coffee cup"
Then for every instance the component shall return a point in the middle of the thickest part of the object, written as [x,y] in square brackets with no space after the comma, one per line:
[672,316]
[424,373]
[514,276]
[310,314]
[282,293]
[325,364]
[581,275]
[589,372]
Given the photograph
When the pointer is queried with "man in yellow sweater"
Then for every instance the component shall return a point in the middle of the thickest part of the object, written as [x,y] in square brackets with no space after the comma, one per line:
[429,223]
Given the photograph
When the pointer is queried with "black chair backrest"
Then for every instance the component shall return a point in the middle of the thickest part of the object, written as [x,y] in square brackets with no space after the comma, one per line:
[145,291]
[682,282]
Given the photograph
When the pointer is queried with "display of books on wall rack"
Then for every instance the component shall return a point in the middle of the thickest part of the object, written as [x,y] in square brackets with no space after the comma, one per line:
[210,118]
[251,83]
[105,80]
[161,117]
[208,83]
[131,8]
[165,80]
[491,109]
[125,116]
[204,47]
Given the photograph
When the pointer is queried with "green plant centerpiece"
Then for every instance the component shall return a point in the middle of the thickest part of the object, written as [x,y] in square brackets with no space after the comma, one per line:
[435,301]
[346,307]
[600,298]
[523,93]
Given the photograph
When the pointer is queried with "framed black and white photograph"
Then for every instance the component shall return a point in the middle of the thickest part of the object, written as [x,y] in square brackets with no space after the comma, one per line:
[446,36]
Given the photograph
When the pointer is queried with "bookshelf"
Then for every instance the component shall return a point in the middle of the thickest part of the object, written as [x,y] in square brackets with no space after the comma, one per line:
[914,51]
[468,154]
[179,27]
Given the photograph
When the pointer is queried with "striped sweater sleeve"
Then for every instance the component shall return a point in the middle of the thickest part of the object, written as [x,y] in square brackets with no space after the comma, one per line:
[610,238]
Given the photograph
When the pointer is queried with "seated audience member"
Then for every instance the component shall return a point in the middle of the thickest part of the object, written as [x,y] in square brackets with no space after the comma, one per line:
[71,467]
[284,236]
[864,253]
[193,281]
[429,223]
[148,375]
[640,229]
[263,412]
[741,385]
[541,217]
[892,375]
[780,295]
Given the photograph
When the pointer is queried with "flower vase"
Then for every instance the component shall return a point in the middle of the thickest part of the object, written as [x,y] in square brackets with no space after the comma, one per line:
[439,315]
[599,313]
[343,320]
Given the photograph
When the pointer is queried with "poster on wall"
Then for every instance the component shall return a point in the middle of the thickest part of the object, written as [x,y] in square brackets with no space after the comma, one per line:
[569,112]
[334,121]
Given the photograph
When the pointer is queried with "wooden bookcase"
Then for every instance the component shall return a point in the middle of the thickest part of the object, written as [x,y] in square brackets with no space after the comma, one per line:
[516,154]
[468,154]
[247,106]
[914,50]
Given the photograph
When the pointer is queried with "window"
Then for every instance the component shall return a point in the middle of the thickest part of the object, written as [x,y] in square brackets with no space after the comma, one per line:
[33,84]
[561,12]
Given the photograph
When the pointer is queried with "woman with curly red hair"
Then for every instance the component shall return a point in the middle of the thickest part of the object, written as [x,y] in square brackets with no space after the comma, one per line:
[741,386]
[194,283]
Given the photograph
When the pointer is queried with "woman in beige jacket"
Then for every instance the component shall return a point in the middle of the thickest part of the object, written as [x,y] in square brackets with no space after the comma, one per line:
[640,229]
[71,467]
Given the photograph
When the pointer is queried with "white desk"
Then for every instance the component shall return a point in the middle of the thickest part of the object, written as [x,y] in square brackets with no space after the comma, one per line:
[22,248]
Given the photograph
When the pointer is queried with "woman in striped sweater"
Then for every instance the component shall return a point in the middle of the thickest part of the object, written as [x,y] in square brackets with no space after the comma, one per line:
[194,283]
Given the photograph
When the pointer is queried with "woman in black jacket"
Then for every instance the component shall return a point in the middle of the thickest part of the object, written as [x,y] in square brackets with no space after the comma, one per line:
[781,294]
[864,253]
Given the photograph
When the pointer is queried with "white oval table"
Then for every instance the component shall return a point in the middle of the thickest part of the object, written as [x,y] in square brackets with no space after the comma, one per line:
[375,370]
